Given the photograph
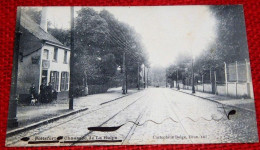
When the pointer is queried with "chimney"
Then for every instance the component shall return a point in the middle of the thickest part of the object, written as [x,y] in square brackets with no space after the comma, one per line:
[43,24]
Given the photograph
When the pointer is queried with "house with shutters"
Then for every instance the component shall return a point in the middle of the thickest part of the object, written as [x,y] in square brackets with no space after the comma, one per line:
[42,58]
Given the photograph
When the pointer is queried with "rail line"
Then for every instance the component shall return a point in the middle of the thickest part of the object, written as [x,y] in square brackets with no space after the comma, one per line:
[83,114]
[82,137]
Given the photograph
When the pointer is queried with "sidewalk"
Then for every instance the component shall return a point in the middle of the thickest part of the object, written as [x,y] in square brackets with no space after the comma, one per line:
[29,116]
[248,104]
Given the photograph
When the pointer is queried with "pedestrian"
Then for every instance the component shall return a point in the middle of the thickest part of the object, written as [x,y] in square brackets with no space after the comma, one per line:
[54,94]
[49,92]
[33,92]
[43,92]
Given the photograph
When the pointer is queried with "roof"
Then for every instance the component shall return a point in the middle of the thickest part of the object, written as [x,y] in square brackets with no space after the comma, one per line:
[36,30]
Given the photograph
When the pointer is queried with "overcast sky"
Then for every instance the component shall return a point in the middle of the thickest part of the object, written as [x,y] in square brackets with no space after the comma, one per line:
[166,30]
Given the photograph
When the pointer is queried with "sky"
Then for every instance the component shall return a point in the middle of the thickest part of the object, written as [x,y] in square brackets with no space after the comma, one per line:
[166,31]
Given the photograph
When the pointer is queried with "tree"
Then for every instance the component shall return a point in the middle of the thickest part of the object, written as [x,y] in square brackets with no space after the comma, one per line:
[91,32]
[124,39]
[100,43]
[62,35]
[182,65]
[231,44]
[90,36]
[33,13]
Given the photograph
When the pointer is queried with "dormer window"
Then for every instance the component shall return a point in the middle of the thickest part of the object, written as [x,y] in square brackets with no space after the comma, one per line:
[45,54]
[55,54]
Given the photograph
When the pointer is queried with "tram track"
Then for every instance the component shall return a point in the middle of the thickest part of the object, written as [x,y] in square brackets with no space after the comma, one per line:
[90,111]
[88,133]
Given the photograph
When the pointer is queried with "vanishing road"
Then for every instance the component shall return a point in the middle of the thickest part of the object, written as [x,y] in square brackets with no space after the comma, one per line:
[151,116]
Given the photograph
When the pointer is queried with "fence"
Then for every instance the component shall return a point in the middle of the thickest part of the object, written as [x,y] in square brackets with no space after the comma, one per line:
[233,79]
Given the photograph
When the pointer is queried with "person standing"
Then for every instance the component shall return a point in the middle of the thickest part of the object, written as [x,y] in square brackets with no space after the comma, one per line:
[43,92]
[49,92]
[33,92]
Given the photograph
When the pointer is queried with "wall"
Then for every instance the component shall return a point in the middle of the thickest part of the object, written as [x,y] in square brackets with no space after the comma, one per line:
[239,90]
[234,89]
[207,88]
[94,89]
[28,73]
[221,90]
[200,87]
[242,89]
[56,65]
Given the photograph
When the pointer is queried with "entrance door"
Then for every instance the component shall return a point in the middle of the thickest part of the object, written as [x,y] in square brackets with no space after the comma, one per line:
[44,76]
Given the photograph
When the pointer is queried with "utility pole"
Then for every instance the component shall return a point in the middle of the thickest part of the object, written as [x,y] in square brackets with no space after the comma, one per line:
[193,88]
[126,83]
[166,79]
[12,118]
[138,77]
[71,59]
[144,77]
[147,78]
[226,79]
[124,79]
[177,82]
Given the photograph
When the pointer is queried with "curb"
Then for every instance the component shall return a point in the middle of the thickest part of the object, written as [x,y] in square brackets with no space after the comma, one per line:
[119,97]
[214,100]
[46,121]
[113,99]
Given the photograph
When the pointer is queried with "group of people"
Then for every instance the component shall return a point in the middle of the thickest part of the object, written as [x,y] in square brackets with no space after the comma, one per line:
[47,93]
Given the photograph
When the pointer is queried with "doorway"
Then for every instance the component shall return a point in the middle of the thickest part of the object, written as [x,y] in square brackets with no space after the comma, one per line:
[44,76]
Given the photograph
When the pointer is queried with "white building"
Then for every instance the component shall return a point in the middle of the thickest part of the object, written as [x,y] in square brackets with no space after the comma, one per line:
[43,58]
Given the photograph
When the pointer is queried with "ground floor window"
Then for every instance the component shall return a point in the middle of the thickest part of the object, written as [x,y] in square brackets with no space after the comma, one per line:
[44,76]
[54,79]
[64,86]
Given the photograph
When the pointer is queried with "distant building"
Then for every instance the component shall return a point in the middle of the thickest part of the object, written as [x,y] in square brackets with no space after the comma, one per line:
[43,58]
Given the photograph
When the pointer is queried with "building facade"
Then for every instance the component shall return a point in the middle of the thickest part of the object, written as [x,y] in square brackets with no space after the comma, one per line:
[42,59]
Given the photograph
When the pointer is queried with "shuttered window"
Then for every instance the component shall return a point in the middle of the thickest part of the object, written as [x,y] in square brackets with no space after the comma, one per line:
[54,79]
[64,81]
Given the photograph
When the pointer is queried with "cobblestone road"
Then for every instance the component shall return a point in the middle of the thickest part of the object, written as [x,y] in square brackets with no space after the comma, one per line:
[152,116]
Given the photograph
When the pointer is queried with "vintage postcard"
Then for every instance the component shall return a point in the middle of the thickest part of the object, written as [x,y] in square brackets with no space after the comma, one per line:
[131,76]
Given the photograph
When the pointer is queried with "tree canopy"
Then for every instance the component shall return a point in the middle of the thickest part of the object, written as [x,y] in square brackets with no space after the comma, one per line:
[100,41]
[230,45]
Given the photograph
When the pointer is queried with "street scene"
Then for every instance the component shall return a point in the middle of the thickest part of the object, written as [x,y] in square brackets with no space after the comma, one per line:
[131,76]
[154,115]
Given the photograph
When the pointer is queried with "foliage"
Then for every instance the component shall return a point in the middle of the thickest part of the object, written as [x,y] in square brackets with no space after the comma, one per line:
[100,43]
[62,35]
[230,45]
[33,13]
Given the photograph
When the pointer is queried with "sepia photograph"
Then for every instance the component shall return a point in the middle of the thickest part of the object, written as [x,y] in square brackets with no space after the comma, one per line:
[134,75]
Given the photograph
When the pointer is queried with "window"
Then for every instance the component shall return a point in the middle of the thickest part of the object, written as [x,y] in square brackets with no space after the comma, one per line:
[54,79]
[55,54]
[44,76]
[64,85]
[45,54]
[65,57]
